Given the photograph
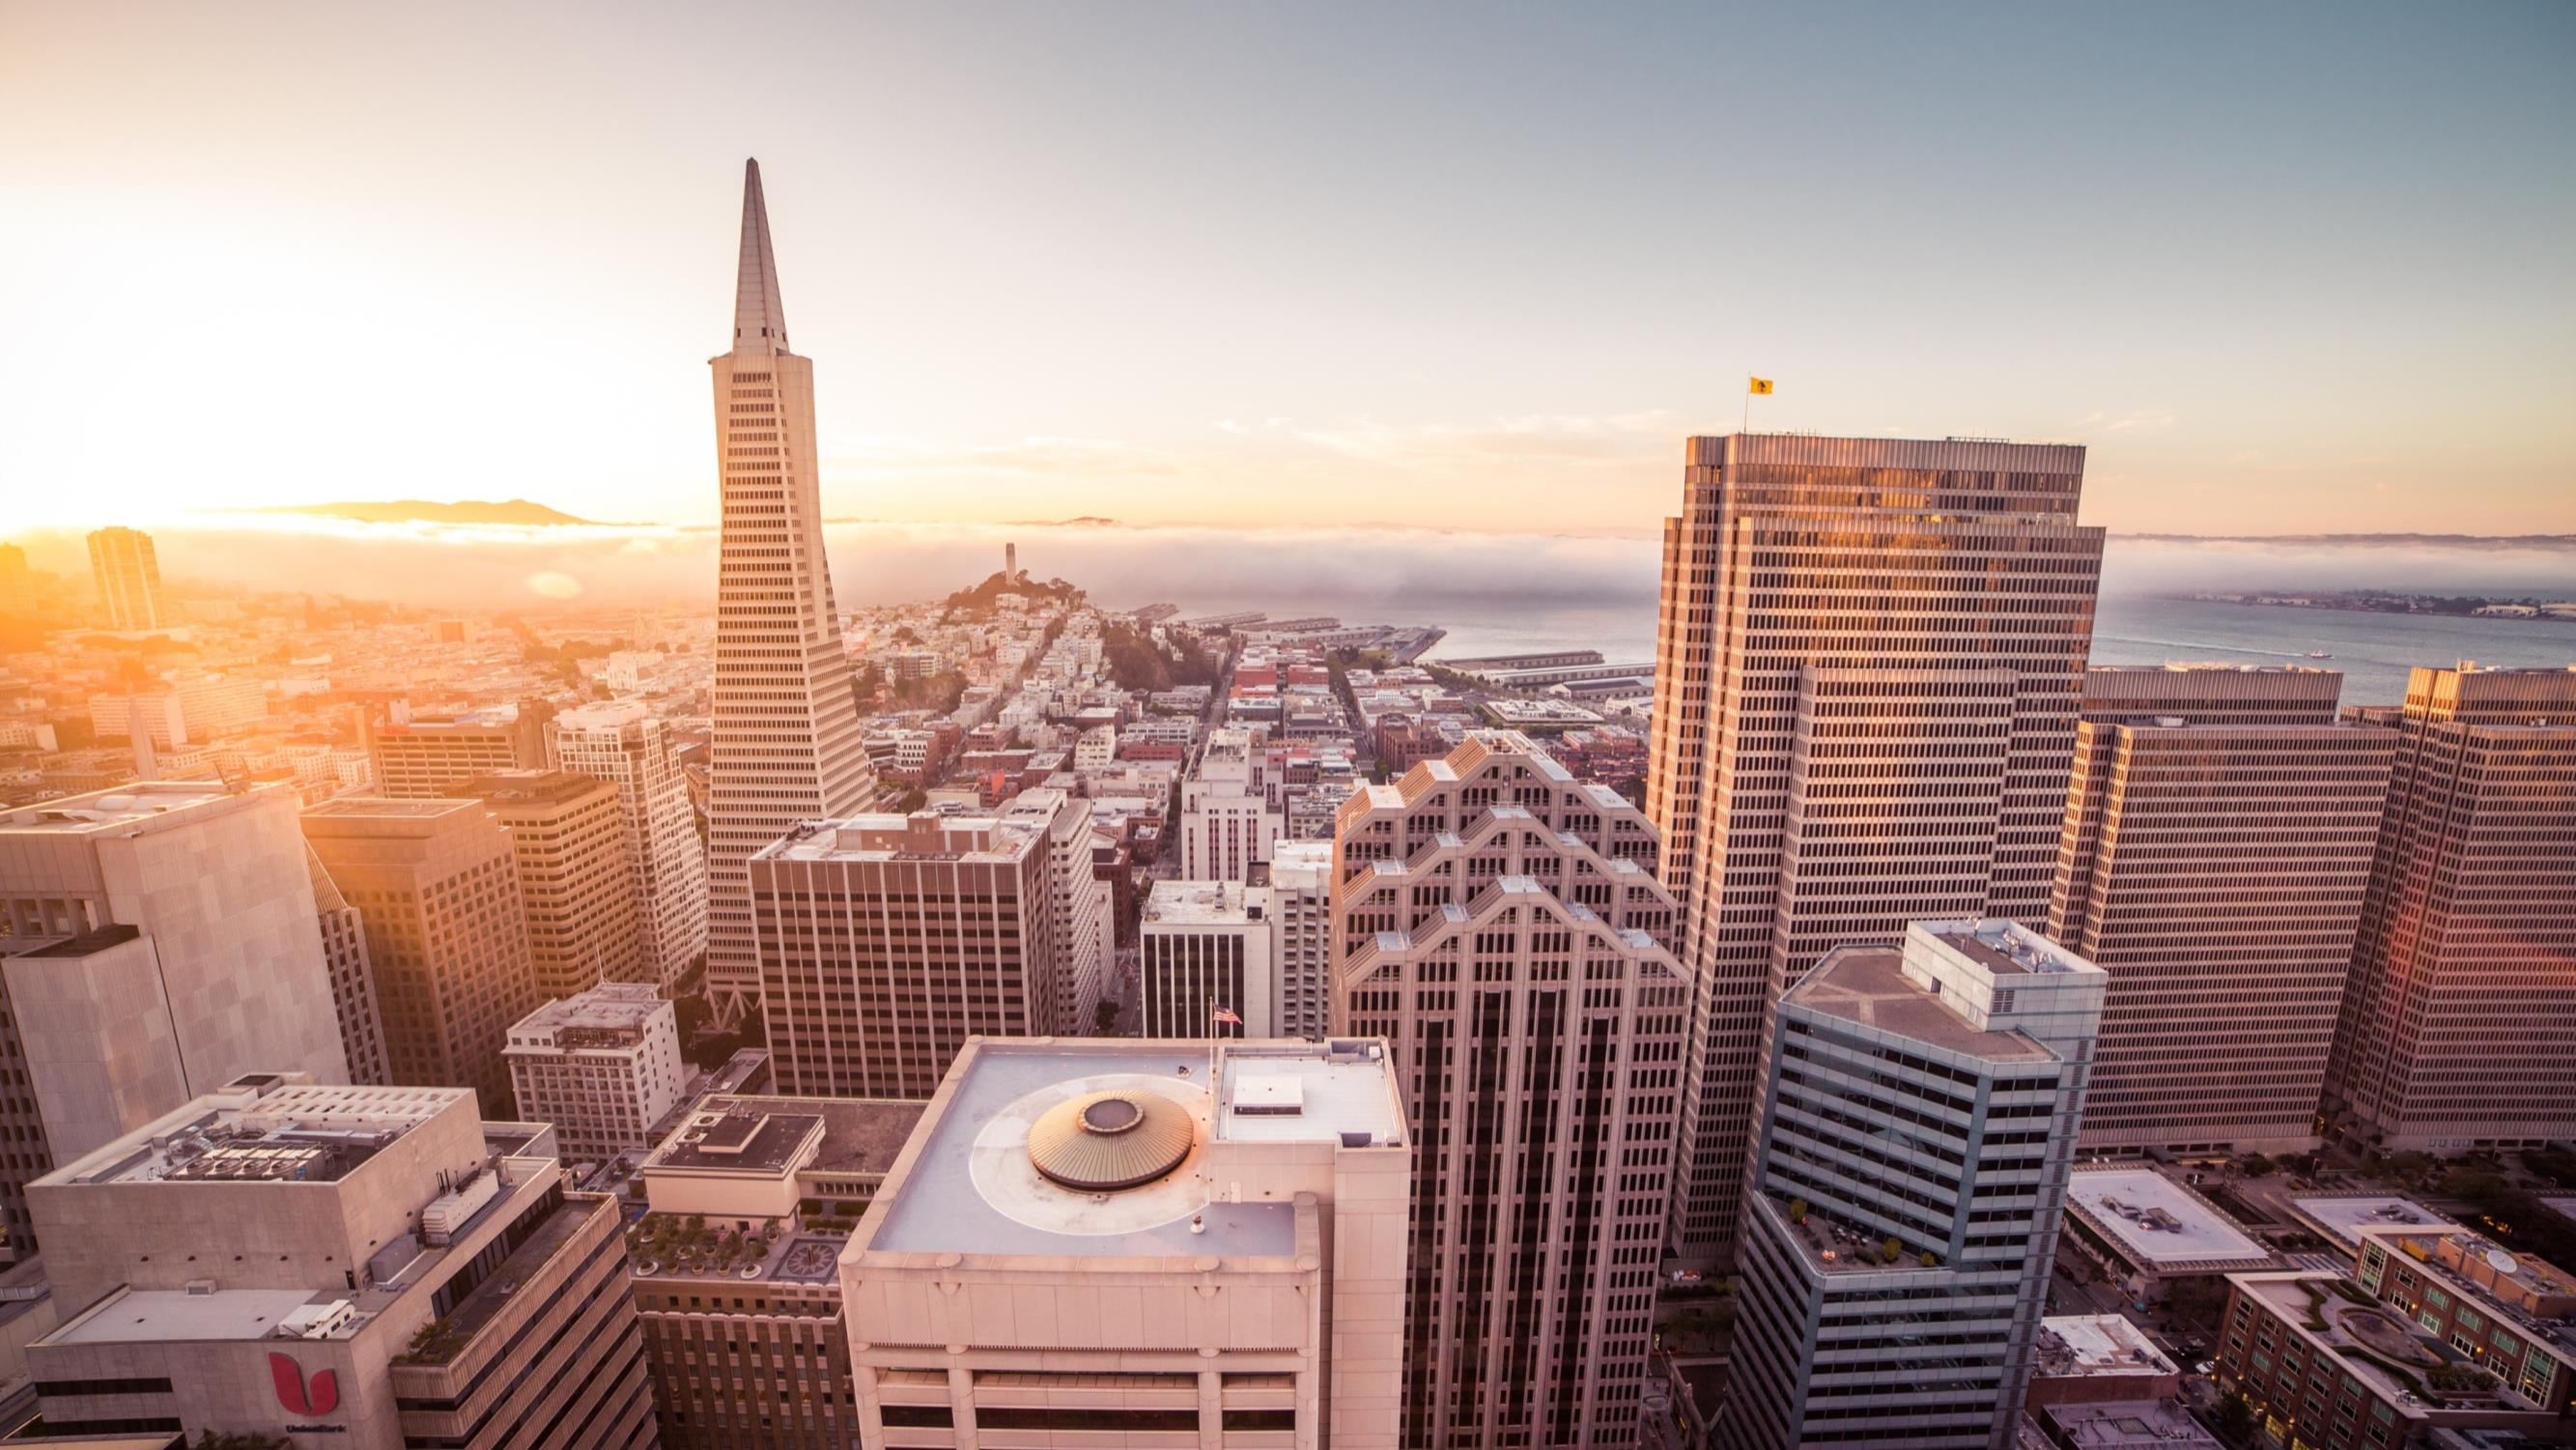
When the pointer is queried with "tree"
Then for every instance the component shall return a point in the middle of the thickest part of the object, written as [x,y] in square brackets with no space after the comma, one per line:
[1890,1251]
[1104,1018]
[1797,1210]
[2256,1165]
[2235,1417]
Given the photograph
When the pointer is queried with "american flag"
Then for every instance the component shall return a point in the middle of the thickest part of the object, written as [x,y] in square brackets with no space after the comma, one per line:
[1228,1017]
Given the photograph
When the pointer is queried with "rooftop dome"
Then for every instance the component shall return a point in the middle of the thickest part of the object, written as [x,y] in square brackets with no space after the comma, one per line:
[1103,1141]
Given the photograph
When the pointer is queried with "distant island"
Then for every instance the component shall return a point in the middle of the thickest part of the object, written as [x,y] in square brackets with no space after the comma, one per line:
[2391,601]
[426,511]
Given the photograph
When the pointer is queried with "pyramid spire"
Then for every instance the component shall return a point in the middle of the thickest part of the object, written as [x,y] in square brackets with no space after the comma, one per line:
[759,317]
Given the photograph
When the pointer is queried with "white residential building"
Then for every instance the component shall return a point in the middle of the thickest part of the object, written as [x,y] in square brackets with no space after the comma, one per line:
[603,1067]
[1228,825]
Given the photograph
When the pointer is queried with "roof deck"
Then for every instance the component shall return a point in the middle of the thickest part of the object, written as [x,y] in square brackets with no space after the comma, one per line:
[1867,987]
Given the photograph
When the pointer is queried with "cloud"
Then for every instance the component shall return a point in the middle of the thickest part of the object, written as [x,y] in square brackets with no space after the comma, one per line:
[2100,424]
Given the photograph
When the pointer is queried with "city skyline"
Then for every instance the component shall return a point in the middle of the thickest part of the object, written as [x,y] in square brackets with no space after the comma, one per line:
[1023,301]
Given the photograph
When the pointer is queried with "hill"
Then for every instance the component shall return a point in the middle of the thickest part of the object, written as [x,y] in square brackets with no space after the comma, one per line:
[426,511]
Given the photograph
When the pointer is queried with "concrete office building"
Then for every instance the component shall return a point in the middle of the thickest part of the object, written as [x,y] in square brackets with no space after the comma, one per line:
[622,743]
[1919,1120]
[434,882]
[1301,953]
[1083,1236]
[429,757]
[1227,821]
[887,941]
[193,710]
[160,939]
[1205,945]
[1498,922]
[2217,846]
[737,1266]
[603,1067]
[2459,1021]
[786,746]
[1084,930]
[17,584]
[1868,660]
[353,977]
[354,1266]
[128,575]
[575,878]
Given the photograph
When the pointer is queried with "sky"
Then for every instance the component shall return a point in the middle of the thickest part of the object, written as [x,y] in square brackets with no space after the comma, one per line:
[2284,268]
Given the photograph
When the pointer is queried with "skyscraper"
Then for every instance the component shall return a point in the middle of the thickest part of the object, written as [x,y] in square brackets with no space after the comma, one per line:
[2217,844]
[1919,1121]
[129,578]
[1498,922]
[786,745]
[2459,1020]
[569,839]
[1869,654]
[623,744]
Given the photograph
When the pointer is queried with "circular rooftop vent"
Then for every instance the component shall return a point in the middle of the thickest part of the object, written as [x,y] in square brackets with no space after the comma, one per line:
[1100,1142]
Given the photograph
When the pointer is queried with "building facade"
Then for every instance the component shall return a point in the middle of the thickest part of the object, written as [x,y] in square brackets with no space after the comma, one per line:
[1228,823]
[1205,946]
[786,746]
[429,757]
[1869,654]
[353,978]
[1301,953]
[622,743]
[603,1067]
[436,886]
[1500,924]
[1084,932]
[770,1185]
[1919,1122]
[351,1266]
[887,941]
[1131,1250]
[575,878]
[2468,939]
[128,574]
[156,941]
[2217,846]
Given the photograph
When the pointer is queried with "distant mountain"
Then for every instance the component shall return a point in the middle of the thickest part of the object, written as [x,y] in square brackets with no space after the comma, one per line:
[425,511]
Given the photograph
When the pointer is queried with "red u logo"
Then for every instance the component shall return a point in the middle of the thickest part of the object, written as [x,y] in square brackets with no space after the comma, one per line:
[321,1399]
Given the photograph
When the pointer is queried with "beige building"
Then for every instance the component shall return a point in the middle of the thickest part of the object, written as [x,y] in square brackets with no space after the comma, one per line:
[194,710]
[622,743]
[786,746]
[887,941]
[434,882]
[2216,849]
[159,939]
[1084,931]
[1228,824]
[575,877]
[1499,923]
[1868,660]
[1301,915]
[128,575]
[1082,1237]
[429,757]
[737,1266]
[355,1266]
[353,977]
[603,1067]
[1202,947]
[2459,1022]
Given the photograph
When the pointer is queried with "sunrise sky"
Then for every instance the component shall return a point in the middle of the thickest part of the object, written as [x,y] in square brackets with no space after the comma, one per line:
[2287,268]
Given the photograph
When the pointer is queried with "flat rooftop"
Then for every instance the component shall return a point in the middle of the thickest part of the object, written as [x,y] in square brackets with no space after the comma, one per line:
[175,1314]
[297,1134]
[2005,949]
[1306,1095]
[921,836]
[120,808]
[385,808]
[1197,903]
[612,1007]
[2337,1215]
[2075,1345]
[1865,986]
[970,1187]
[532,787]
[737,1140]
[2130,1425]
[2159,1223]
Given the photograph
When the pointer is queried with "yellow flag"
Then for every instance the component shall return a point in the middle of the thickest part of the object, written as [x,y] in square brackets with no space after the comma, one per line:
[1761,387]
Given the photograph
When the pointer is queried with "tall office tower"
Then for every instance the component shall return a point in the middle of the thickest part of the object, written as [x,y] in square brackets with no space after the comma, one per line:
[434,882]
[1205,947]
[2217,845]
[2459,1023]
[276,1263]
[353,977]
[1868,660]
[1301,956]
[623,744]
[1083,929]
[129,578]
[159,940]
[790,1175]
[1499,923]
[602,1067]
[786,746]
[1129,1248]
[886,941]
[428,757]
[17,584]
[569,838]
[1227,822]
[1919,1117]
